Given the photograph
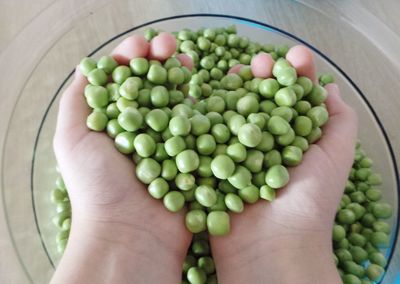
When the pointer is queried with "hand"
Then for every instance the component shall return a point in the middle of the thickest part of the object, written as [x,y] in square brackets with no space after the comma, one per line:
[119,233]
[289,240]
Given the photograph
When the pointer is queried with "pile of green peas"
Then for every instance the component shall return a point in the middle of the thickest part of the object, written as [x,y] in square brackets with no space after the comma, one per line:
[360,232]
[208,140]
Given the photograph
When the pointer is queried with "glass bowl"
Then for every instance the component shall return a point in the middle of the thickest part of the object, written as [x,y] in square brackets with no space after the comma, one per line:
[29,166]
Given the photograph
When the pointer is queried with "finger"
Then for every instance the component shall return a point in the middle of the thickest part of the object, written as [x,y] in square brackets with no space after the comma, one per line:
[73,111]
[261,65]
[131,47]
[185,60]
[162,46]
[302,59]
[340,132]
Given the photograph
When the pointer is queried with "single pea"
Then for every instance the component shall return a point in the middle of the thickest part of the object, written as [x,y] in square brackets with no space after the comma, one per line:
[113,128]
[234,203]
[158,188]
[267,193]
[283,111]
[204,169]
[254,161]
[187,161]
[157,74]
[287,76]
[240,178]
[306,83]
[220,133]
[353,268]
[278,126]
[378,258]
[97,121]
[123,103]
[300,142]
[207,264]
[179,125]
[375,179]
[314,135]
[86,65]
[249,194]
[200,124]
[112,111]
[159,96]
[326,79]
[185,181]
[357,239]
[218,223]
[157,120]
[237,152]
[148,170]
[130,119]
[231,81]
[196,221]
[247,105]
[139,66]
[272,158]
[374,272]
[303,125]
[267,106]
[235,123]
[222,166]
[379,239]
[317,95]
[169,170]
[351,279]
[196,275]
[121,73]
[318,115]
[359,254]
[346,216]
[174,201]
[172,62]
[292,156]
[216,104]
[382,210]
[267,142]
[96,96]
[183,110]
[280,65]
[205,144]
[174,145]
[249,135]
[268,88]
[144,145]
[302,107]
[205,195]
[277,176]
[339,233]
[258,119]
[129,89]
[124,142]
[97,77]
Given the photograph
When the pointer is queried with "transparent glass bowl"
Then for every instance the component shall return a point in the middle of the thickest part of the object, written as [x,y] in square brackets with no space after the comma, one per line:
[28,169]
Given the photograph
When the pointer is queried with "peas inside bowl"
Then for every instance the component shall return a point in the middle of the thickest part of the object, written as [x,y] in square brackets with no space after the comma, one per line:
[43,174]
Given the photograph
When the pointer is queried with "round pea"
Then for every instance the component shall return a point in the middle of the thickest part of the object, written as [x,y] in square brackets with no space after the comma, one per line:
[196,221]
[218,223]
[205,195]
[144,145]
[130,119]
[174,201]
[158,188]
[249,135]
[277,176]
[148,170]
[222,166]
[187,161]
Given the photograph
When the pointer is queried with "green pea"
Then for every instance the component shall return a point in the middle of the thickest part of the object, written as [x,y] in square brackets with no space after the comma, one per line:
[247,105]
[157,120]
[174,201]
[130,88]
[96,96]
[254,161]
[97,121]
[292,156]
[339,233]
[303,126]
[231,81]
[124,142]
[86,65]
[112,111]
[249,194]
[382,210]
[277,176]
[148,170]
[139,66]
[207,264]
[272,158]
[280,65]
[179,125]
[267,193]
[346,216]
[187,161]
[218,223]
[144,145]
[267,142]
[302,107]
[378,258]
[287,76]
[235,122]
[158,188]
[200,124]
[237,152]
[205,144]
[196,275]
[169,170]
[113,128]
[249,135]
[306,83]
[300,142]
[278,126]
[216,104]
[157,74]
[240,178]
[379,239]
[130,119]
[374,272]
[190,261]
[359,254]
[121,73]
[375,179]
[314,135]
[205,195]
[107,64]
[196,221]
[318,95]
[174,145]
[350,279]
[318,115]
[97,77]
[204,169]
[185,181]
[222,166]
[325,79]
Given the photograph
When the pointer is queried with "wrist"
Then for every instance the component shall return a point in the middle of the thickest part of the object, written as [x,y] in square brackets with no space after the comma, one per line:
[104,253]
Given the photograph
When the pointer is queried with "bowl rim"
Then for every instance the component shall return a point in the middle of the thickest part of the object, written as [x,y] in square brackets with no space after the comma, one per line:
[242,20]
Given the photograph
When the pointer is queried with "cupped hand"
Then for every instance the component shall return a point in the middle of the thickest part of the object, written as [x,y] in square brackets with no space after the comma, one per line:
[289,240]
[109,205]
